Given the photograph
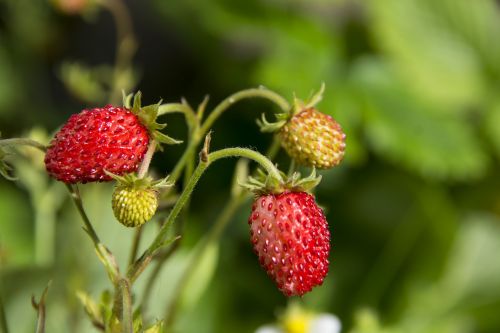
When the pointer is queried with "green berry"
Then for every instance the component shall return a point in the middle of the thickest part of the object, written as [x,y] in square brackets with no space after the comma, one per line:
[134,206]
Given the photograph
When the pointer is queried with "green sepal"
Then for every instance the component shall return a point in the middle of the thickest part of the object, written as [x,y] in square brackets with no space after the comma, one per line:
[127,99]
[163,138]
[5,169]
[283,117]
[131,180]
[147,116]
[267,184]
[271,127]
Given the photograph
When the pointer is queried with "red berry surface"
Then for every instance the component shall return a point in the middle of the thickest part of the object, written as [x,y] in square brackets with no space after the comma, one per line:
[94,140]
[289,233]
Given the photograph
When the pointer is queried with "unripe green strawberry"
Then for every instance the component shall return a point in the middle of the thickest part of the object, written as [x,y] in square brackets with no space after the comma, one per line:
[134,206]
[313,139]
[135,200]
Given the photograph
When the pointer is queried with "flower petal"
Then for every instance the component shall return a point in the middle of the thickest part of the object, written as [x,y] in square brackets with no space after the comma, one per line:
[269,329]
[325,323]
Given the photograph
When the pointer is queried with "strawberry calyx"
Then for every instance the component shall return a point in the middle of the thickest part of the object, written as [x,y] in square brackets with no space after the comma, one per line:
[283,117]
[147,116]
[263,184]
[140,183]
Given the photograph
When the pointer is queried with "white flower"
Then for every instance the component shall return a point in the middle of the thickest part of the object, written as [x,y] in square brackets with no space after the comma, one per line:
[297,320]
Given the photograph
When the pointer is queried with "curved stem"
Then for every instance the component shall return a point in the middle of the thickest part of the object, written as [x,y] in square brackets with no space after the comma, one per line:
[23,142]
[185,109]
[216,113]
[103,253]
[146,161]
[227,212]
[243,94]
[147,256]
[135,245]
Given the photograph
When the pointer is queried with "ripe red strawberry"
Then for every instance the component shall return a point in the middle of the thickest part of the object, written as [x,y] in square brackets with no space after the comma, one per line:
[94,140]
[289,233]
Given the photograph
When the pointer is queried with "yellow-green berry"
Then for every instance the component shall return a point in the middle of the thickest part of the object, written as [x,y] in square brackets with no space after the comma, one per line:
[134,206]
[313,139]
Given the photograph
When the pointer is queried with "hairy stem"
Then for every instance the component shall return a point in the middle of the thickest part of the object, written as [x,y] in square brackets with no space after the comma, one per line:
[200,169]
[124,298]
[185,109]
[135,245]
[146,161]
[23,142]
[216,113]
[214,234]
[103,253]
[226,213]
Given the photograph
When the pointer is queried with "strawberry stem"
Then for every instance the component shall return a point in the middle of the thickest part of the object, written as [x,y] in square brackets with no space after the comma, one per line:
[216,113]
[183,108]
[146,161]
[204,163]
[105,255]
[23,142]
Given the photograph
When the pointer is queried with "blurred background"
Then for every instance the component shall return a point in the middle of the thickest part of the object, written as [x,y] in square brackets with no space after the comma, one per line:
[414,209]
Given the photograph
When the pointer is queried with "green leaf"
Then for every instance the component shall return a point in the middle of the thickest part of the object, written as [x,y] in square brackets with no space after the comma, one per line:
[471,275]
[442,50]
[200,277]
[435,144]
[91,308]
[85,83]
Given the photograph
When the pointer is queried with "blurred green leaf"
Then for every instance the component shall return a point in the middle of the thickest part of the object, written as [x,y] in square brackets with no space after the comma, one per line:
[440,49]
[200,277]
[85,83]
[491,125]
[473,271]
[434,144]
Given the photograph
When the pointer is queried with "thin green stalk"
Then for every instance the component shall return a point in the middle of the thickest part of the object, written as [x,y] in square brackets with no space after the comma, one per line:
[135,245]
[185,109]
[23,142]
[126,315]
[238,96]
[103,253]
[226,213]
[204,163]
[216,113]
[146,161]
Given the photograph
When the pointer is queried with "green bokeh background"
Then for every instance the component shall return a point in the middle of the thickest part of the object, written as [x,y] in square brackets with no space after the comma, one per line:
[414,209]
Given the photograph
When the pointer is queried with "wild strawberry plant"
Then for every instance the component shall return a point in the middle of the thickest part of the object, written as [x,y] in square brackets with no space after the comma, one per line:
[288,230]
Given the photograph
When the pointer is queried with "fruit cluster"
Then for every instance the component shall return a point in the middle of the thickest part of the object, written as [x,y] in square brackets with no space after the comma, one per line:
[289,232]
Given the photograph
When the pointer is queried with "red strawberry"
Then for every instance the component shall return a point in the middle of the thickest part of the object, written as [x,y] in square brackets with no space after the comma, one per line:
[108,138]
[289,233]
